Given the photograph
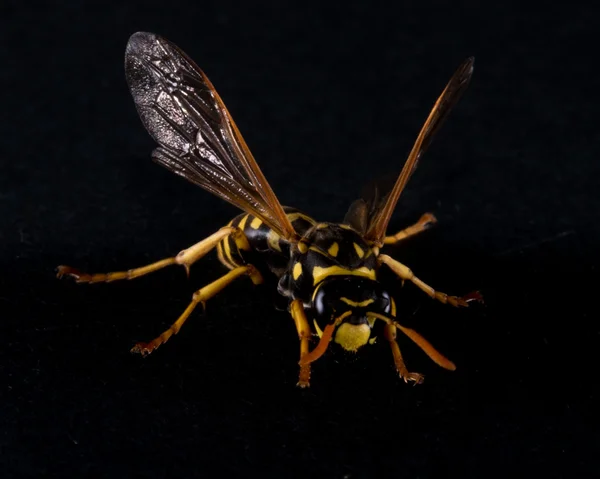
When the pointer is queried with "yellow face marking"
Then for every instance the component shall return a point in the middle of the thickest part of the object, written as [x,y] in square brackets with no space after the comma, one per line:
[362,304]
[352,336]
[317,329]
[393,308]
[359,251]
[302,247]
[297,271]
[334,249]
[242,224]
[273,241]
[371,320]
[256,222]
[297,216]
[319,273]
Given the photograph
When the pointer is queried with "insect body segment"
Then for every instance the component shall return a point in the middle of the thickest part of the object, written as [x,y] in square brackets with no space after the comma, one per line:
[327,272]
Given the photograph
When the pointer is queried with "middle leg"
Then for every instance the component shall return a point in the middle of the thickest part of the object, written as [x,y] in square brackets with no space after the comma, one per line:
[200,296]
[406,273]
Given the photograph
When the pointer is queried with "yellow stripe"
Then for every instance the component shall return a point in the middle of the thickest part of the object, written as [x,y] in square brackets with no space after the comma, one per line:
[228,255]
[359,251]
[242,223]
[319,273]
[273,240]
[295,216]
[393,307]
[362,304]
[322,226]
[334,249]
[256,222]
[221,257]
[297,271]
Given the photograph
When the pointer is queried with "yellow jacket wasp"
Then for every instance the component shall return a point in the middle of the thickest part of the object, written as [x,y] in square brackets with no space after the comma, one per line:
[327,271]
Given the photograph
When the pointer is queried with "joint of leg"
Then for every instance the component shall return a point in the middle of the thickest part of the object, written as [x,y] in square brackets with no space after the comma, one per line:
[254,274]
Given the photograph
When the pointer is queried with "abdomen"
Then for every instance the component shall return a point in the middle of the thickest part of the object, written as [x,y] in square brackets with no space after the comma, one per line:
[268,251]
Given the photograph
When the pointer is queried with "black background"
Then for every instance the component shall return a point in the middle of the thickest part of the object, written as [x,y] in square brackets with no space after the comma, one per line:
[327,98]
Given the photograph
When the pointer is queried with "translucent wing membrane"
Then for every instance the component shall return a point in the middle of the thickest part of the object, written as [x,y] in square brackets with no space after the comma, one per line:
[198,139]
[373,213]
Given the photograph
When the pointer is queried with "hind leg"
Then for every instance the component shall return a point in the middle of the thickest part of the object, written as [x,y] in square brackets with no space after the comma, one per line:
[186,258]
[425,222]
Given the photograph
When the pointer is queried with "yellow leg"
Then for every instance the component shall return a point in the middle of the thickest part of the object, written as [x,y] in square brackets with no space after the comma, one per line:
[424,223]
[304,333]
[186,258]
[390,334]
[405,273]
[200,296]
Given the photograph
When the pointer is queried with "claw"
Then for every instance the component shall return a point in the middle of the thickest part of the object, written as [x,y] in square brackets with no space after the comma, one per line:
[143,348]
[473,296]
[416,377]
[62,271]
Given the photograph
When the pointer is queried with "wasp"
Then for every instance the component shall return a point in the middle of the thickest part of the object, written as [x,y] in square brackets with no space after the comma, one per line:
[326,272]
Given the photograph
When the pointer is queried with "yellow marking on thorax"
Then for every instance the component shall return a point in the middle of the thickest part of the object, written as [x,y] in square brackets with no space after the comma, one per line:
[295,216]
[346,227]
[256,222]
[297,271]
[322,226]
[302,247]
[319,273]
[359,251]
[242,224]
[334,249]
[273,240]
[356,304]
[393,307]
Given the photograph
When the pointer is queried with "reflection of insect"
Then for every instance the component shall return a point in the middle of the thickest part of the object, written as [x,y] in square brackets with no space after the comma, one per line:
[327,271]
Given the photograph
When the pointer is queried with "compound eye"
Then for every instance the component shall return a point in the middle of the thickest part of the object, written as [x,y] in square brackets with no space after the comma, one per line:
[319,304]
[384,302]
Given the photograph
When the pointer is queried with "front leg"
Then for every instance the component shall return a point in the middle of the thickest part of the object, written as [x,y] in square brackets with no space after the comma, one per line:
[390,334]
[405,273]
[304,334]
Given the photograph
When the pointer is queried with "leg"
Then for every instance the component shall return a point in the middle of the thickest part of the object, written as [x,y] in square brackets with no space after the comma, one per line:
[200,296]
[304,333]
[390,334]
[424,223]
[185,258]
[405,273]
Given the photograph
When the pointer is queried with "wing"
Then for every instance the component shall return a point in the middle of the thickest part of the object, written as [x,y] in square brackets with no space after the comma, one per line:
[198,139]
[373,214]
